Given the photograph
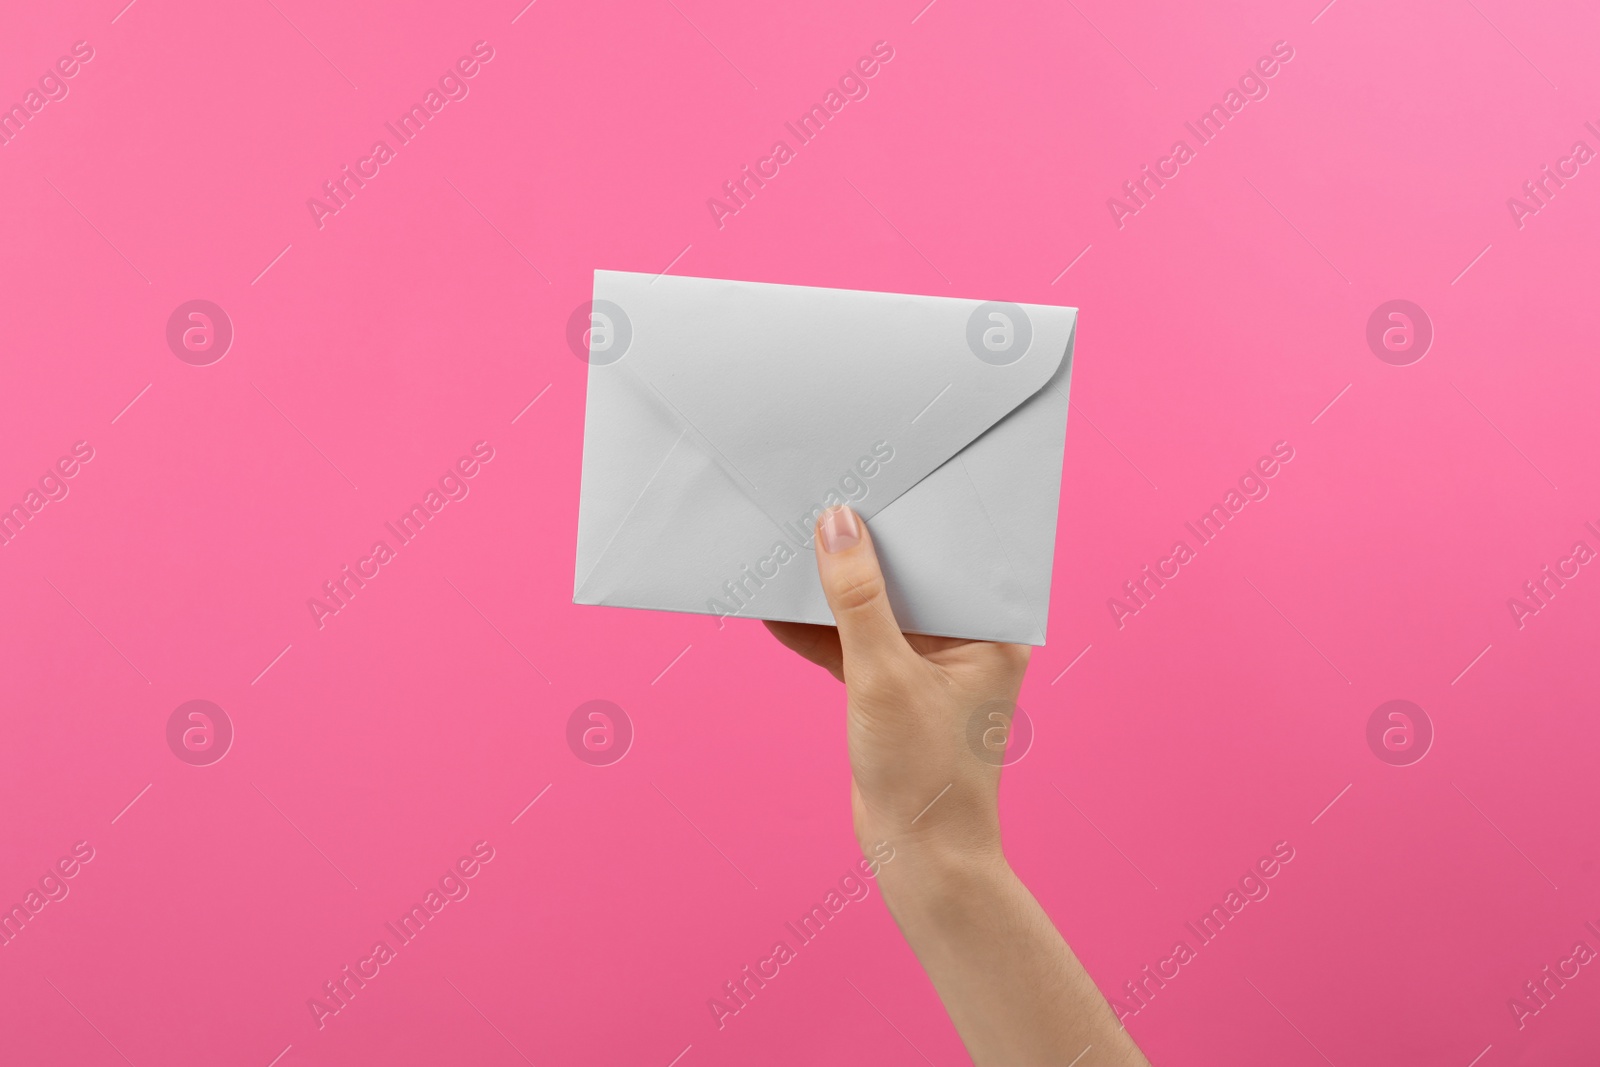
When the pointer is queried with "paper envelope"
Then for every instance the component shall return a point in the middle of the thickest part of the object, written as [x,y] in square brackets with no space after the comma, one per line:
[724,417]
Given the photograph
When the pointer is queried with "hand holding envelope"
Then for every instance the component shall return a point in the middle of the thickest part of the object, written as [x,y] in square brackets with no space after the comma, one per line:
[723,417]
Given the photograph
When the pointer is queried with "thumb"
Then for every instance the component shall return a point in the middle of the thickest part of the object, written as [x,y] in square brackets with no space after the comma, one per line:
[856,591]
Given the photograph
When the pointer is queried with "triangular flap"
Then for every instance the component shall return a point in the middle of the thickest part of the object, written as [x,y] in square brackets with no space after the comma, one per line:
[810,397]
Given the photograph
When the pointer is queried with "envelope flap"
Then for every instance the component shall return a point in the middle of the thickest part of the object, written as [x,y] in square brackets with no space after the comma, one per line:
[810,397]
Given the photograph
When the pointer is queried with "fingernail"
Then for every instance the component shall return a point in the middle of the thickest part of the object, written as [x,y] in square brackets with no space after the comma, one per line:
[840,530]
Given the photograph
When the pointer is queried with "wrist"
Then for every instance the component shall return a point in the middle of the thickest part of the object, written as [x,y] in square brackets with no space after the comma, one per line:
[932,880]
[938,841]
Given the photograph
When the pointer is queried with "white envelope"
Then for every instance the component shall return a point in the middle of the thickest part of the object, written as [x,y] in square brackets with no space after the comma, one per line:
[724,416]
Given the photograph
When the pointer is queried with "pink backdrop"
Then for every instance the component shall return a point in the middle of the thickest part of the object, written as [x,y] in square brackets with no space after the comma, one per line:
[1369,154]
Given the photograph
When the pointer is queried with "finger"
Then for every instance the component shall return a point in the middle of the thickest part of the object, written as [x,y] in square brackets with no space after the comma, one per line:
[859,598]
[819,644]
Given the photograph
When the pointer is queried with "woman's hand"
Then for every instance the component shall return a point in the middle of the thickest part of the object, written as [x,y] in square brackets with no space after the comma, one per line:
[914,706]
[926,720]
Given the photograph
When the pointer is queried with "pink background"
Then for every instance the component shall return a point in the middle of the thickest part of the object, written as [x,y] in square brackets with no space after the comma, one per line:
[1226,716]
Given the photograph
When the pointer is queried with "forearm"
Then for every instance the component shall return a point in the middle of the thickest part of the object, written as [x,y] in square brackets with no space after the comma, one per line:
[1014,990]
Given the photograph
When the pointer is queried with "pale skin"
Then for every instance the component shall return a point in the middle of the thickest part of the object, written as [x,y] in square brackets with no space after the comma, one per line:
[1012,987]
